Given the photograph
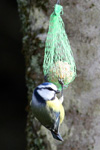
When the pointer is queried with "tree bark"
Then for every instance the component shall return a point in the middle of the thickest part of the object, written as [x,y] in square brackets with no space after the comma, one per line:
[81,127]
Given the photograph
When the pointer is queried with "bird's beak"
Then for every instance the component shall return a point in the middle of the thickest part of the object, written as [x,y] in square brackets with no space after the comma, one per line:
[57,92]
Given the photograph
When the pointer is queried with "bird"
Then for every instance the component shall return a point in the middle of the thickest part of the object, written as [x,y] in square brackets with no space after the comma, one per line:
[47,108]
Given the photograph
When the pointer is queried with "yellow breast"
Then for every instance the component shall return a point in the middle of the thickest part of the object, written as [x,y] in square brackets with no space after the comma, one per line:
[57,107]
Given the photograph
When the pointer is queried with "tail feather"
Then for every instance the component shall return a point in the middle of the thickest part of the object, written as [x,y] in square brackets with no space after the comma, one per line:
[57,136]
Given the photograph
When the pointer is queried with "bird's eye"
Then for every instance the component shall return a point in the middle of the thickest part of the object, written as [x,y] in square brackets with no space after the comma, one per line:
[50,89]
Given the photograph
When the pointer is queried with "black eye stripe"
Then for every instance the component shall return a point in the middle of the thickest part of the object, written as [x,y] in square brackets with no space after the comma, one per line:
[48,88]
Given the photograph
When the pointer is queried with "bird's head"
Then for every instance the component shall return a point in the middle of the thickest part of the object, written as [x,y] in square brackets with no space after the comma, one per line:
[46,91]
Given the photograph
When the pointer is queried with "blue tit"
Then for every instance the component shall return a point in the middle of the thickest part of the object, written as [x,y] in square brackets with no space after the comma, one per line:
[47,108]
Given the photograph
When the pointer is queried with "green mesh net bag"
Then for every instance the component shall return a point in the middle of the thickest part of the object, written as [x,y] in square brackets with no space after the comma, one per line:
[59,64]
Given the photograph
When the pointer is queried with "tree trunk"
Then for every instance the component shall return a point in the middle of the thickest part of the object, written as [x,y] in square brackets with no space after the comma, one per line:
[81,127]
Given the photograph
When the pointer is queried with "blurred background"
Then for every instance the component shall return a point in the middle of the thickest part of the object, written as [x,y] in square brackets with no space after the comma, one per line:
[82,25]
[13,98]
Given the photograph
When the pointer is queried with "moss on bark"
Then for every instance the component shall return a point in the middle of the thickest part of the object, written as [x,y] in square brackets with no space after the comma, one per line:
[33,49]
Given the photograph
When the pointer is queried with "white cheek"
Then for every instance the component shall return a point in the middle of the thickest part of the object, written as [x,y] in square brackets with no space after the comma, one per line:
[46,94]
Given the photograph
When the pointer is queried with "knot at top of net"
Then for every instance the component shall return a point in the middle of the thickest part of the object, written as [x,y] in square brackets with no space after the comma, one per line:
[58,9]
